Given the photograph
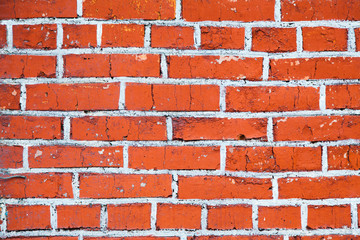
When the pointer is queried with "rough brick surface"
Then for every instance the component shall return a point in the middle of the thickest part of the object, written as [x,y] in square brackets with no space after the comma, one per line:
[171,216]
[78,217]
[10,96]
[129,216]
[230,217]
[28,217]
[35,36]
[279,218]
[329,217]
[79,36]
[274,39]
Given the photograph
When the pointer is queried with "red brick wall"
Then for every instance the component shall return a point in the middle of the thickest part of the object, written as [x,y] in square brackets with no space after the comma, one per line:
[179,119]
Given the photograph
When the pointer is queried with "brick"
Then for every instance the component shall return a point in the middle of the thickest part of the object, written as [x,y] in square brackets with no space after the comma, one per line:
[342,96]
[119,128]
[122,35]
[273,159]
[174,157]
[165,97]
[28,217]
[10,97]
[42,185]
[180,216]
[78,217]
[274,39]
[317,39]
[223,187]
[218,67]
[42,9]
[74,156]
[124,186]
[332,237]
[30,127]
[299,10]
[43,238]
[129,216]
[237,237]
[133,238]
[79,36]
[127,9]
[11,156]
[172,37]
[319,128]
[3,38]
[314,68]
[113,65]
[357,38]
[35,36]
[283,217]
[21,66]
[344,157]
[229,217]
[276,99]
[221,129]
[73,97]
[320,187]
[241,10]
[222,38]
[329,217]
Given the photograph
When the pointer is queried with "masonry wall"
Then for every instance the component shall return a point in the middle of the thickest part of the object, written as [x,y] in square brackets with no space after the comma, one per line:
[180,119]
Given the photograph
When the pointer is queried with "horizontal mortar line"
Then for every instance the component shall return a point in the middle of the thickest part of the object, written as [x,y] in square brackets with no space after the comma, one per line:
[190,173]
[224,23]
[114,233]
[195,52]
[252,143]
[183,81]
[174,114]
[210,202]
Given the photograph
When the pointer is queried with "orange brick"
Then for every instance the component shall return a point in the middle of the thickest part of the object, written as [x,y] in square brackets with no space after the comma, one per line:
[28,217]
[174,157]
[279,217]
[236,237]
[324,39]
[129,216]
[35,36]
[181,216]
[172,37]
[79,36]
[332,237]
[164,97]
[11,156]
[3,38]
[230,217]
[344,157]
[222,38]
[329,217]
[357,38]
[10,97]
[274,39]
[122,35]
[342,96]
[78,216]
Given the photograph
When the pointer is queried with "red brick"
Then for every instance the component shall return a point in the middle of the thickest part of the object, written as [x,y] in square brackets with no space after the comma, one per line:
[40,9]
[78,216]
[174,157]
[119,128]
[327,237]
[132,238]
[113,65]
[181,216]
[357,37]
[127,9]
[129,216]
[122,35]
[3,38]
[172,37]
[222,187]
[73,97]
[229,217]
[267,99]
[43,238]
[220,67]
[30,127]
[75,156]
[273,159]
[21,66]
[274,39]
[241,10]
[10,97]
[329,217]
[124,186]
[237,237]
[344,157]
[221,129]
[222,38]
[320,187]
[319,128]
[314,68]
[11,156]
[44,185]
[165,97]
[324,39]
[342,96]
[79,36]
[35,36]
[28,217]
[279,217]
[310,10]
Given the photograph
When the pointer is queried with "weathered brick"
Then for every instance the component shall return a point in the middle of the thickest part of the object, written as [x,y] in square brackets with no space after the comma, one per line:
[28,217]
[222,38]
[229,217]
[135,216]
[180,216]
[283,217]
[122,35]
[172,37]
[10,97]
[78,216]
[344,157]
[11,156]
[342,96]
[35,36]
[324,39]
[329,217]
[79,36]
[274,39]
